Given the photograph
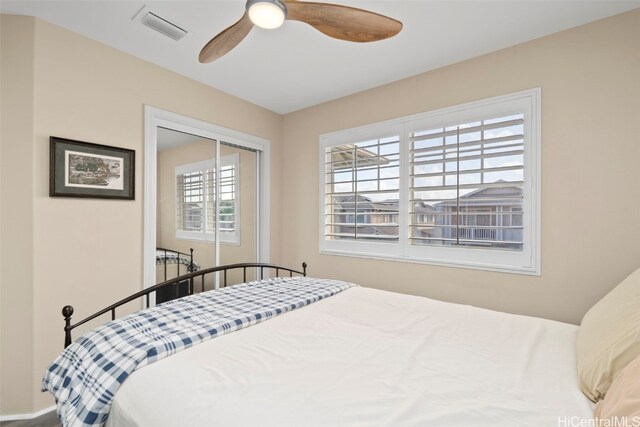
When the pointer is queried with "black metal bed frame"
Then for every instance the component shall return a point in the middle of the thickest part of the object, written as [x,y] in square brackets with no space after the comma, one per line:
[67,310]
[190,268]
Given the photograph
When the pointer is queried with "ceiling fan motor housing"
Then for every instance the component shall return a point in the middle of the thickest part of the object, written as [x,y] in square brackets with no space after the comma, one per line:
[277,3]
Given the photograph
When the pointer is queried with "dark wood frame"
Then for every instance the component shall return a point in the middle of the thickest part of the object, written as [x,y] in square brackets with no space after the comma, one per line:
[56,173]
[67,310]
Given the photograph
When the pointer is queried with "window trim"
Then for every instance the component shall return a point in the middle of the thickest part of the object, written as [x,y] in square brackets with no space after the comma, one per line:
[526,262]
[226,237]
[375,248]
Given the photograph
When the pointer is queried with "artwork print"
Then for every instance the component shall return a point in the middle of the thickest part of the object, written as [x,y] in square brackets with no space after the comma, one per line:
[82,169]
[93,171]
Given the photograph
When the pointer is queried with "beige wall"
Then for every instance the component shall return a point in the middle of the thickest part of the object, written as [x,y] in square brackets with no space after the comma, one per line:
[85,251]
[590,161]
[16,214]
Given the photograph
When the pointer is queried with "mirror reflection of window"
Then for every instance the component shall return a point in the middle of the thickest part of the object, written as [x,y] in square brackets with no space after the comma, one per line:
[188,196]
[195,185]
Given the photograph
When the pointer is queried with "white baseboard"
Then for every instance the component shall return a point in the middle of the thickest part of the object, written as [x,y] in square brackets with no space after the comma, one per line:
[27,416]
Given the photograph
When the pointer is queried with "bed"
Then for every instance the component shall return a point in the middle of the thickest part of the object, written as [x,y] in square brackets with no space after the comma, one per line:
[171,264]
[345,355]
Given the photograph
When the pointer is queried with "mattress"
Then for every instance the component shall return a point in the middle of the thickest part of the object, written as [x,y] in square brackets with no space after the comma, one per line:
[366,357]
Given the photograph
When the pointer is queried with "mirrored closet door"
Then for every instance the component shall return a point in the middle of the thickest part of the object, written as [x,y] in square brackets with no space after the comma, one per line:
[207,203]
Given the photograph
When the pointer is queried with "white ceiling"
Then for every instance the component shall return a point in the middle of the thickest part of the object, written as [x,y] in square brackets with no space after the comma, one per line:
[295,66]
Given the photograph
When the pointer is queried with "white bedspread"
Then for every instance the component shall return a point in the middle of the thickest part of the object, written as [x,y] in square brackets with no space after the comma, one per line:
[366,358]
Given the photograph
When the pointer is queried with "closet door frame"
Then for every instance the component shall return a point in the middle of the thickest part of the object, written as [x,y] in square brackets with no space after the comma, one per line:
[156,117]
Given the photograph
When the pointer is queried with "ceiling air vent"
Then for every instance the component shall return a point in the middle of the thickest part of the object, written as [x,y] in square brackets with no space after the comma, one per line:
[160,24]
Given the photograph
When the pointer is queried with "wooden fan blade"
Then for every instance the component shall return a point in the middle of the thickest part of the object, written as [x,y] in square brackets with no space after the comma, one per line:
[343,22]
[221,44]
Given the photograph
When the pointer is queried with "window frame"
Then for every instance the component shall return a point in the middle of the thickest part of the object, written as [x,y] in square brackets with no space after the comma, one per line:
[226,237]
[525,262]
[345,247]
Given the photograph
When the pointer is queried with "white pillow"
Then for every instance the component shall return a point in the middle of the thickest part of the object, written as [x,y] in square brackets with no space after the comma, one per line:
[609,337]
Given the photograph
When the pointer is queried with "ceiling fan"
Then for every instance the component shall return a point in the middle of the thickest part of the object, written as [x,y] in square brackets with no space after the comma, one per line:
[337,21]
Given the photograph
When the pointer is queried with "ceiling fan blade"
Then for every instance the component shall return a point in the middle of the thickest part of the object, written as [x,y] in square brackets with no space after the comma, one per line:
[221,44]
[343,22]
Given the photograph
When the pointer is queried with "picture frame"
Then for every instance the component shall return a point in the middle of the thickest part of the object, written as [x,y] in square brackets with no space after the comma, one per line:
[84,169]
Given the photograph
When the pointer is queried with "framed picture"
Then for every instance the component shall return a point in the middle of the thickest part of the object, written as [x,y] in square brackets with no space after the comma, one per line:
[82,169]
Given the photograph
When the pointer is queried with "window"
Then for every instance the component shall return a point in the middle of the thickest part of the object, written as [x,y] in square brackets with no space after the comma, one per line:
[362,179]
[457,186]
[467,175]
[196,200]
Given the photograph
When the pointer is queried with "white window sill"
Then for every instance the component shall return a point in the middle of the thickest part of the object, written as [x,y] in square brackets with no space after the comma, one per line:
[528,271]
[232,239]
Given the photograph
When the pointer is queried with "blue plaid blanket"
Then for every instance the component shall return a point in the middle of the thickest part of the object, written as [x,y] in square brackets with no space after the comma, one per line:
[86,376]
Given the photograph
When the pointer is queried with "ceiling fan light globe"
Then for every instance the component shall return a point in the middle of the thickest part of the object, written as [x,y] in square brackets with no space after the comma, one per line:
[267,14]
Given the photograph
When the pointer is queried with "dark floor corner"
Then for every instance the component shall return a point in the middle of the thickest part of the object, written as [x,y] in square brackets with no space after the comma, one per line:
[49,419]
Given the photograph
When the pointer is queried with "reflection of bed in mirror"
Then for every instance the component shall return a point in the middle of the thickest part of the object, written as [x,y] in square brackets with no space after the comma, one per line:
[171,264]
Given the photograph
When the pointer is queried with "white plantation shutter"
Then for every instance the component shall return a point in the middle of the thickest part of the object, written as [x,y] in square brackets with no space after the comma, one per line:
[457,187]
[466,184]
[362,190]
[190,202]
[228,198]
[193,197]
[196,200]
